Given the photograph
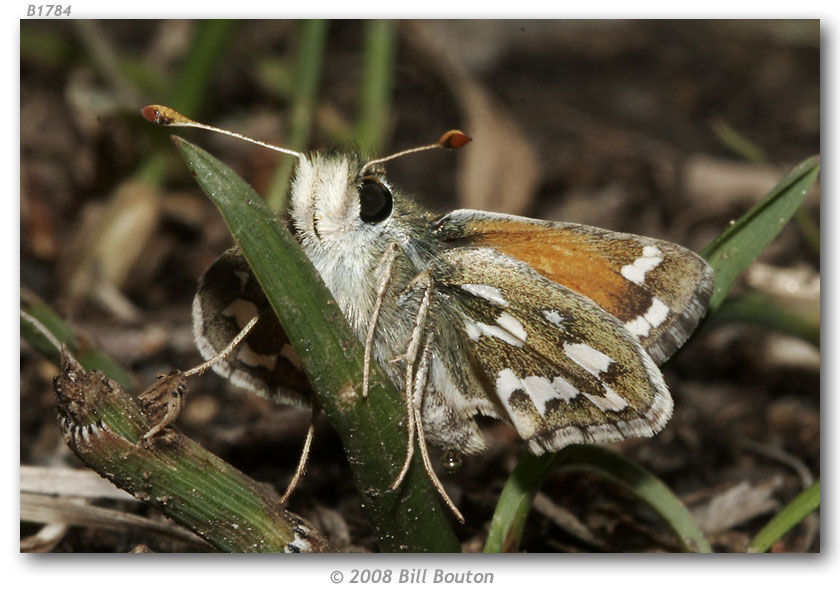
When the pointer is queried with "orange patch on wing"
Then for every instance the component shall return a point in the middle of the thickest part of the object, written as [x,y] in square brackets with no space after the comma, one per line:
[568,259]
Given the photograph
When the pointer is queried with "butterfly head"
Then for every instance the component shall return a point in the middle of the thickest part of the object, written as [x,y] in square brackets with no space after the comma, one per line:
[333,200]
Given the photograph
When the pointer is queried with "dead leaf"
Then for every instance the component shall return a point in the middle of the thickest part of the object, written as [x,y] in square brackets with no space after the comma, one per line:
[110,248]
[737,505]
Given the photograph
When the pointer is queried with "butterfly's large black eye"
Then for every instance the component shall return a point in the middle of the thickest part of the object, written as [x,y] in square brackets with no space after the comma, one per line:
[375,201]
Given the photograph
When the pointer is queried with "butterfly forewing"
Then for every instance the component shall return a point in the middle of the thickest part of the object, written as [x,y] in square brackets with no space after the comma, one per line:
[265,362]
[659,290]
[561,368]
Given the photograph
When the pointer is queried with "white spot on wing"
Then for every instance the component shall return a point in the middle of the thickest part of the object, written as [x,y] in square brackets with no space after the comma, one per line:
[633,273]
[651,256]
[655,315]
[646,264]
[506,383]
[242,311]
[541,390]
[250,358]
[473,332]
[538,389]
[554,317]
[638,327]
[610,401]
[510,332]
[488,292]
[592,360]
[512,324]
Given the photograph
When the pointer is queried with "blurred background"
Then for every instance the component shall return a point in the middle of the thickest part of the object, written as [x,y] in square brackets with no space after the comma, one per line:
[669,129]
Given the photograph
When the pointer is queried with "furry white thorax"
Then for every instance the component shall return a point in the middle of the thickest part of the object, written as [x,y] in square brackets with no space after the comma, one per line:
[345,250]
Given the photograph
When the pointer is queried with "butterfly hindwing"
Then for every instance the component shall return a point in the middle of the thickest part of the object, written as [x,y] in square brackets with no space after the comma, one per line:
[229,296]
[561,368]
[658,289]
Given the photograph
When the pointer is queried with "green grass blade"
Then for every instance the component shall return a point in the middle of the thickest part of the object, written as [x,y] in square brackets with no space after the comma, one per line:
[762,309]
[41,326]
[208,47]
[809,229]
[737,142]
[372,429]
[642,484]
[377,83]
[741,243]
[182,479]
[512,509]
[307,79]
[800,507]
[514,503]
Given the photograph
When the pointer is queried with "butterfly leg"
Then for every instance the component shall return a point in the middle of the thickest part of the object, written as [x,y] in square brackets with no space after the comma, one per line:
[304,457]
[417,407]
[165,393]
[169,389]
[381,287]
[410,358]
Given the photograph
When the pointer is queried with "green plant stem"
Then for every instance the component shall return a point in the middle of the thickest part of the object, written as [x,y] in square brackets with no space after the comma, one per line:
[41,326]
[800,507]
[761,309]
[377,83]
[307,78]
[640,483]
[741,243]
[515,502]
[808,228]
[104,425]
[737,143]
[514,505]
[372,429]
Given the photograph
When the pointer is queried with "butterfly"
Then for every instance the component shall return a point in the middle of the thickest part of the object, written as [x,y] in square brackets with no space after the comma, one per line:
[556,328]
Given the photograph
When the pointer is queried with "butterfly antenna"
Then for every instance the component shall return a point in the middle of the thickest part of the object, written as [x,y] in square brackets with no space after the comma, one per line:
[451,140]
[163,115]
[224,353]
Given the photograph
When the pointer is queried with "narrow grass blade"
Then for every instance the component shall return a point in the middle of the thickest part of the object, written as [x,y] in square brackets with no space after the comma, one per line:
[762,309]
[47,332]
[809,228]
[800,507]
[513,506]
[200,66]
[737,142]
[741,243]
[372,429]
[515,501]
[313,41]
[377,82]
